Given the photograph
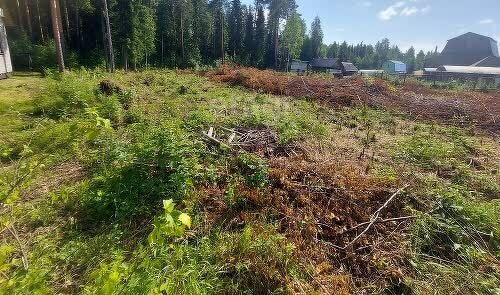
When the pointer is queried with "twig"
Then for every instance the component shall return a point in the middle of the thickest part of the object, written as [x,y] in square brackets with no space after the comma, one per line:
[381,221]
[13,231]
[375,217]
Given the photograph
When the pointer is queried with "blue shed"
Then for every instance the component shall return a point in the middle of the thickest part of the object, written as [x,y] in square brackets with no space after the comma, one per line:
[394,67]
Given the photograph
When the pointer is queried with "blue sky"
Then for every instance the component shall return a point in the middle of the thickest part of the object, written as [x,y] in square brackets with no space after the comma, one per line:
[421,23]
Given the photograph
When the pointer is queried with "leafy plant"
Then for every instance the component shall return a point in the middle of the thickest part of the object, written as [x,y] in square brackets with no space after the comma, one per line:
[171,223]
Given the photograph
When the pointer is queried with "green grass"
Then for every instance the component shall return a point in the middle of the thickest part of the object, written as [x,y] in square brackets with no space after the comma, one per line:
[88,233]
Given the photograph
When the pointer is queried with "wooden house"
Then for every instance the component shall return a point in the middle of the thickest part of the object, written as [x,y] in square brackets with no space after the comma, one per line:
[349,69]
[327,65]
[5,61]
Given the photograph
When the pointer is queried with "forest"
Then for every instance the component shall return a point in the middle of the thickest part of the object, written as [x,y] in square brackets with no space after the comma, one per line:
[182,34]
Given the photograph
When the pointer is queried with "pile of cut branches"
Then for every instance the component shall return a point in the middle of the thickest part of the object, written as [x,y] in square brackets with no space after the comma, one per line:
[336,92]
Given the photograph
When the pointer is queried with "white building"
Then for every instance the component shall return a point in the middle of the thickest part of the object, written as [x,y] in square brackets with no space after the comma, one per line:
[5,61]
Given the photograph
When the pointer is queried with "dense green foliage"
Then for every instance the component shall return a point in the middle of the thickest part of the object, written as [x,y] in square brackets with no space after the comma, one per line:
[185,33]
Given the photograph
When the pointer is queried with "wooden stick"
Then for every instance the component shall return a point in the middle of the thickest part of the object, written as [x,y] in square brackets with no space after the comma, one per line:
[13,231]
[375,216]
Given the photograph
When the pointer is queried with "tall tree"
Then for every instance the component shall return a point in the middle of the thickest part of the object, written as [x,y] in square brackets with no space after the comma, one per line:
[109,40]
[143,33]
[293,36]
[28,18]
[56,31]
[249,42]
[419,62]
[260,36]
[316,37]
[343,52]
[219,39]
[235,24]
[202,29]
[39,18]
[409,59]
[278,10]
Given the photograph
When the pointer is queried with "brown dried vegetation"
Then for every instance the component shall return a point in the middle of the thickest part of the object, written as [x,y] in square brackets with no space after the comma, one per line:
[478,109]
[318,207]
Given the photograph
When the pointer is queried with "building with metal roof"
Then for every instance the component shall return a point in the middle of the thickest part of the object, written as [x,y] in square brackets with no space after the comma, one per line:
[5,61]
[330,65]
[298,66]
[394,67]
[349,69]
[469,49]
[470,70]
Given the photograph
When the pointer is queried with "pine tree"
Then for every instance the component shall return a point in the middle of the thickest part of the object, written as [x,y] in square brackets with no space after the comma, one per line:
[249,42]
[409,59]
[316,37]
[420,59]
[235,24]
[260,37]
[293,37]
[219,23]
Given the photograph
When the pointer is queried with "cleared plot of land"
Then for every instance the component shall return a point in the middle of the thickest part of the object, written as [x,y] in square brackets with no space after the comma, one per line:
[459,108]
[274,192]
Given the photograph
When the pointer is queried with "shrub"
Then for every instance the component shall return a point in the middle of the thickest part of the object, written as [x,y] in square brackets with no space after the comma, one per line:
[160,163]
[253,169]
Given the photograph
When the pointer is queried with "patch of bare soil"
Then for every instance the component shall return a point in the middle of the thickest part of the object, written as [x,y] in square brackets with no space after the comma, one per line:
[53,178]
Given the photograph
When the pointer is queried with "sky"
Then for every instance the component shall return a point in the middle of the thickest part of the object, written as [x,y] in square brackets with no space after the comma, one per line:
[423,24]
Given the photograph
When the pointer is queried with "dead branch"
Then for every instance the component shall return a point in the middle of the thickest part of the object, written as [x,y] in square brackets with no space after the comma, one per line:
[24,258]
[375,217]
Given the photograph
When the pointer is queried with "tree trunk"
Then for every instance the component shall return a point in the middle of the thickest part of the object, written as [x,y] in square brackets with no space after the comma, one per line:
[162,50]
[288,61]
[125,57]
[222,35]
[77,25]
[19,15]
[60,25]
[276,48]
[182,37]
[109,39]
[104,43]
[28,18]
[57,34]
[66,19]
[42,37]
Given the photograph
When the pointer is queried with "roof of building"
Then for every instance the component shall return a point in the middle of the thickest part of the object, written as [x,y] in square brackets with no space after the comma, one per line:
[490,61]
[396,62]
[327,63]
[300,61]
[470,70]
[471,34]
[349,67]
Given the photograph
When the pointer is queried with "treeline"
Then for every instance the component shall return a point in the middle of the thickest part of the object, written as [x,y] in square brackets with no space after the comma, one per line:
[182,33]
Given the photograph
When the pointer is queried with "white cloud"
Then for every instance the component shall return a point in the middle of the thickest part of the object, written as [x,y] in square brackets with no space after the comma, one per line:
[407,11]
[402,8]
[486,21]
[390,11]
